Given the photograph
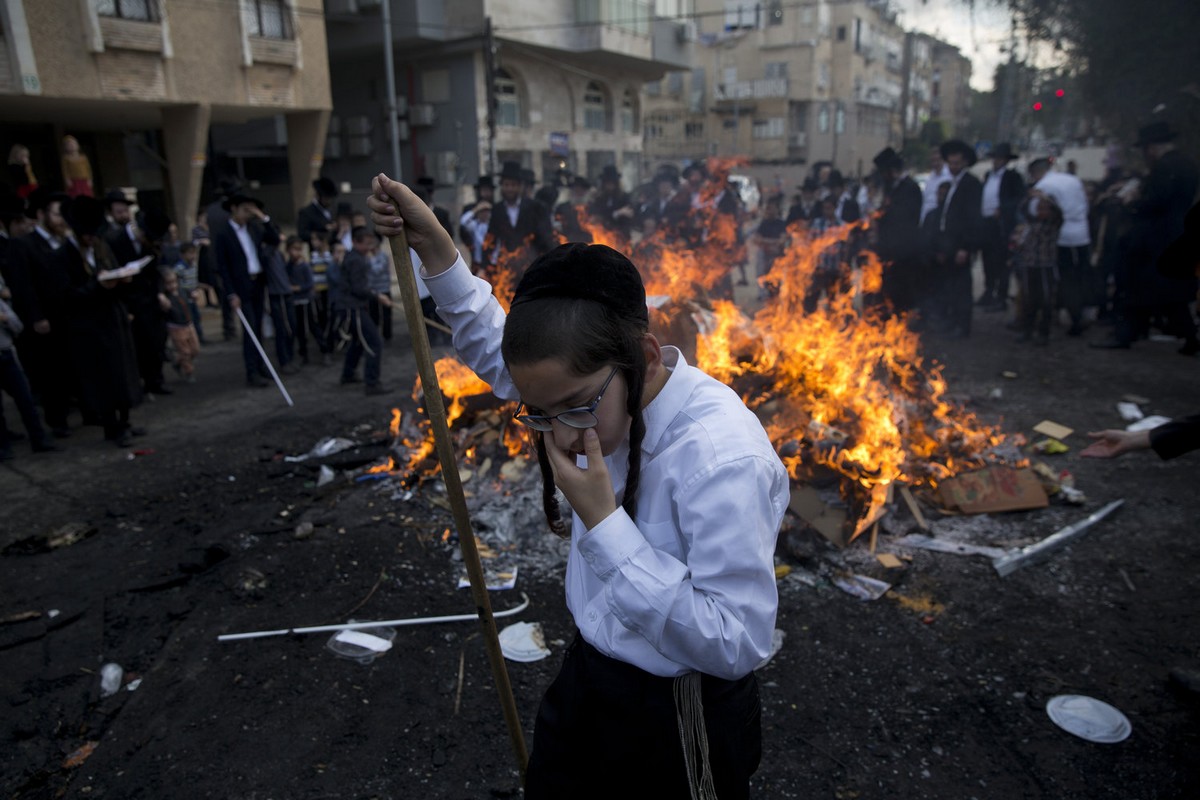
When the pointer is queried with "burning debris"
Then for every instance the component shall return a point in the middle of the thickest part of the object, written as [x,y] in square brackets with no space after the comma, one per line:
[838,380]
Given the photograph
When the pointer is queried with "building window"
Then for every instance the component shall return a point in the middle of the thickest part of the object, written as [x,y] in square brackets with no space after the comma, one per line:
[693,130]
[140,10]
[772,128]
[823,119]
[776,69]
[595,112]
[267,19]
[628,112]
[508,101]
[841,33]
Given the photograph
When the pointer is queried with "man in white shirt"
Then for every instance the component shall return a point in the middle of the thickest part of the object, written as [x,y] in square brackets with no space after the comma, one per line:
[939,173]
[1076,281]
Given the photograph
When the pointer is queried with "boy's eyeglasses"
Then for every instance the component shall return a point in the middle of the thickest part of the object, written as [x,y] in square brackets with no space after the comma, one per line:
[582,417]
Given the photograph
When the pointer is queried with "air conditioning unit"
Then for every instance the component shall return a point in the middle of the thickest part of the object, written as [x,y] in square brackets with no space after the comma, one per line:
[685,32]
[401,105]
[421,115]
[360,146]
[402,127]
[358,126]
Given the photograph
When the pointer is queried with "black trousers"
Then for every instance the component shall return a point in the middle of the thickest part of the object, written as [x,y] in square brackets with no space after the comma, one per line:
[14,383]
[607,729]
[1037,300]
[1075,282]
[995,261]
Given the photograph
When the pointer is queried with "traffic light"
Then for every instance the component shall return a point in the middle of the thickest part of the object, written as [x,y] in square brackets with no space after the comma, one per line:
[1037,106]
[1060,93]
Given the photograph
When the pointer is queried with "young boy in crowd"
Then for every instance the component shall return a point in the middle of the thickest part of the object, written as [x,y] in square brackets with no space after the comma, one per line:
[320,257]
[301,275]
[187,270]
[283,311]
[180,326]
[1037,265]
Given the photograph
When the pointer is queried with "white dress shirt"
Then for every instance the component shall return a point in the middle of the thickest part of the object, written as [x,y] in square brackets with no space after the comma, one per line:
[929,192]
[253,265]
[690,584]
[991,192]
[1067,190]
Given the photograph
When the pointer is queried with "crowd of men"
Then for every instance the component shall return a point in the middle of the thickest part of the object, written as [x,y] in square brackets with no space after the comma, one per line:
[95,299]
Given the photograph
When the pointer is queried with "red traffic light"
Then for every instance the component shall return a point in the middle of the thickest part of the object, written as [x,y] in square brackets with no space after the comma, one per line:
[1037,106]
[1060,93]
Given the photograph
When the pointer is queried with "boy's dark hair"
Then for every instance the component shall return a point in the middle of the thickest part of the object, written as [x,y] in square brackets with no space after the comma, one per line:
[291,240]
[586,305]
[187,247]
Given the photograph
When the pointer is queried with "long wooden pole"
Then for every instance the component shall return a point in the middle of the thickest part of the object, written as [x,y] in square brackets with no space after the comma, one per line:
[436,409]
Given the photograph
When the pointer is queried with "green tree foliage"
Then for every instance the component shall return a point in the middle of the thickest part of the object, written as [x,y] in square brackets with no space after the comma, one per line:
[1133,60]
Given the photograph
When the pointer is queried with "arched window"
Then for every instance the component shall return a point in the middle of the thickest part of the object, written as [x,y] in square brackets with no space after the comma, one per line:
[508,100]
[595,108]
[628,112]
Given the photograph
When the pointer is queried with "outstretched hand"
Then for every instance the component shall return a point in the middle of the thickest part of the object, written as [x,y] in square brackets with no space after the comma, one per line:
[395,208]
[1112,443]
[589,489]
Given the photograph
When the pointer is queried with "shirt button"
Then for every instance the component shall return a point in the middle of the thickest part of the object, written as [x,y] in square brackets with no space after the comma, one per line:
[591,616]
[588,557]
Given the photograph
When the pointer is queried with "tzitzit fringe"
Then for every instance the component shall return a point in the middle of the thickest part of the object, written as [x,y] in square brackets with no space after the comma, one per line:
[693,737]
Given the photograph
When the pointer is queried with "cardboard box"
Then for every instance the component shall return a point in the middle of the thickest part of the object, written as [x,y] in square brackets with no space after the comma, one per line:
[995,488]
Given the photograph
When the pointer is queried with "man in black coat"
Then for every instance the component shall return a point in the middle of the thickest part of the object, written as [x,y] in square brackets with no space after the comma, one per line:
[1158,215]
[959,227]
[1003,191]
[100,337]
[38,284]
[238,246]
[612,207]
[898,232]
[519,231]
[142,296]
[317,216]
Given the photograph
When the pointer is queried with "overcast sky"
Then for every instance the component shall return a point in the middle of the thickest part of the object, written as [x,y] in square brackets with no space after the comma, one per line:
[979,34]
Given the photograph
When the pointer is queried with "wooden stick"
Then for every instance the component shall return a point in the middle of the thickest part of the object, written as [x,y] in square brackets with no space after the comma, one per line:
[874,537]
[436,409]
[913,508]
[437,325]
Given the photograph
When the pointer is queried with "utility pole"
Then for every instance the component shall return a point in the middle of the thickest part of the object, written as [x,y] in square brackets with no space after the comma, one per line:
[390,69]
[489,67]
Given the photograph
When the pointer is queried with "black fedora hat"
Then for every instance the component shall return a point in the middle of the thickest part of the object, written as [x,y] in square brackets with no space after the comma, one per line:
[1003,150]
[609,173]
[155,223]
[809,185]
[85,214]
[1180,258]
[485,182]
[1157,132]
[426,180]
[115,196]
[528,176]
[41,198]
[951,146]
[580,182]
[887,158]
[238,198]
[325,187]
[511,171]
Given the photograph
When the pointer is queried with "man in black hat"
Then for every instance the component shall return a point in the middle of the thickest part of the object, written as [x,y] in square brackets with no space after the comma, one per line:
[39,288]
[1158,215]
[898,232]
[142,296]
[804,205]
[317,216]
[1003,191]
[566,214]
[238,248]
[518,232]
[611,206]
[959,226]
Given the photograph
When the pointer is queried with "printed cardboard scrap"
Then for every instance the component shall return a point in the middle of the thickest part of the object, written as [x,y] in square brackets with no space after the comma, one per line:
[1053,429]
[995,488]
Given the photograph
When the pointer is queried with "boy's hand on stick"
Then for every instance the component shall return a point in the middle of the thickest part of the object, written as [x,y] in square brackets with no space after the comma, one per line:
[588,490]
[395,208]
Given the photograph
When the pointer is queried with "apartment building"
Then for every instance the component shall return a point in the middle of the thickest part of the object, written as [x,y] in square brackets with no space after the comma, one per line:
[786,83]
[551,85]
[169,95]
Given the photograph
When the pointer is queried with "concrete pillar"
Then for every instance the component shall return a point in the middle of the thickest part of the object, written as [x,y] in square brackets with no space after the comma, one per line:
[185,139]
[306,132]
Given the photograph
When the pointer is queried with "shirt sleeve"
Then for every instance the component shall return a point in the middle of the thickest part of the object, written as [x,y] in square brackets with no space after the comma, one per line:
[714,611]
[1177,437]
[467,305]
